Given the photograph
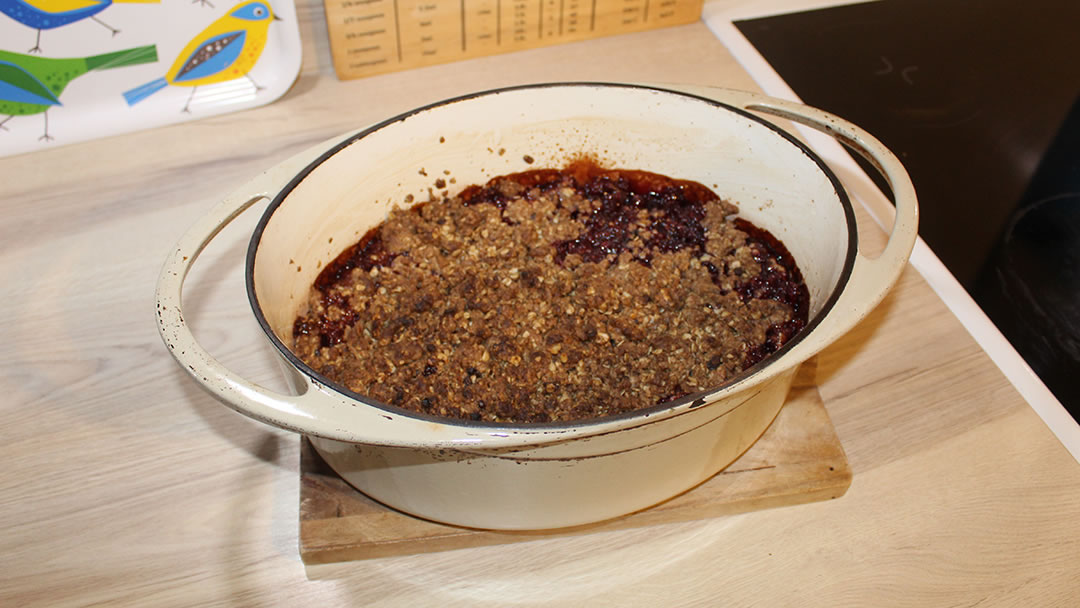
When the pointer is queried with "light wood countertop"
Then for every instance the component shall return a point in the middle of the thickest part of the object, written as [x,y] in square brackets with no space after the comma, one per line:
[124,483]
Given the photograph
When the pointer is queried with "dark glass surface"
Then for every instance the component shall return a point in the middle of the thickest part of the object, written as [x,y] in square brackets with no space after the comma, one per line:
[981,101]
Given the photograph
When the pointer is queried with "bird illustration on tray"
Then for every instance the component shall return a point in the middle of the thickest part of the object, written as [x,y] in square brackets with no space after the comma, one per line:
[226,50]
[49,14]
[32,85]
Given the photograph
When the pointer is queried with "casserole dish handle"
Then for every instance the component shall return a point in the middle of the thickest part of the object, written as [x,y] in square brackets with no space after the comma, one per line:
[228,387]
[872,277]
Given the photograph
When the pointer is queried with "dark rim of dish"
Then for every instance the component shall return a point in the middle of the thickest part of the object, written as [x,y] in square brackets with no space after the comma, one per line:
[696,399]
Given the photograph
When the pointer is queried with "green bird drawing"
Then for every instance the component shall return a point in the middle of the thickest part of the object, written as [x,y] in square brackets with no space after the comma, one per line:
[32,85]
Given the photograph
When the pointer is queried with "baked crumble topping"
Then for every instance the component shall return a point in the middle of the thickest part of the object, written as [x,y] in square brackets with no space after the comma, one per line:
[552,295]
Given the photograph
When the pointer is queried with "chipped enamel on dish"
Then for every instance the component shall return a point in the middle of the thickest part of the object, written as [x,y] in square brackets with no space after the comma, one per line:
[548,475]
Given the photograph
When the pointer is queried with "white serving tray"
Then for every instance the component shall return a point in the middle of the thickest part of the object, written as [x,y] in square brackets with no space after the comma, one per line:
[93,104]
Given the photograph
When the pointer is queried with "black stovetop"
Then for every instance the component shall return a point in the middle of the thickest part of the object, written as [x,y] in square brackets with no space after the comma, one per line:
[981,101]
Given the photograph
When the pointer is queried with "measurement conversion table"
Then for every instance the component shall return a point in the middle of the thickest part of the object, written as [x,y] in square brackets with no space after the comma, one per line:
[369,37]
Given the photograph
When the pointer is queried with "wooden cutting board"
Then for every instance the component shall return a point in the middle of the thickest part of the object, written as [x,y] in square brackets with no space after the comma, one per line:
[369,37]
[798,460]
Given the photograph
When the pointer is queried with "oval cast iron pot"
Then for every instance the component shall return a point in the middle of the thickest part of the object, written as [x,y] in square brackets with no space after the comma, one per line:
[542,476]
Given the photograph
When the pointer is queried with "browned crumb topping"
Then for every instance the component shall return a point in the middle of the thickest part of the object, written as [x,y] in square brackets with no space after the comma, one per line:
[552,296]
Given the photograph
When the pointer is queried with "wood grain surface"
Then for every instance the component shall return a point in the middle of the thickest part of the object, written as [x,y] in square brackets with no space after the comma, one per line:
[797,460]
[124,484]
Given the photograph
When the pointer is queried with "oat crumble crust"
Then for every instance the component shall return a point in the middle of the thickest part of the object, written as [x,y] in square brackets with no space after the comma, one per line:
[552,295]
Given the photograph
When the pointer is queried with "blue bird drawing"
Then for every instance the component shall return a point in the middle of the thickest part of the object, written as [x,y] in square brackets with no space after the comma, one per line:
[49,14]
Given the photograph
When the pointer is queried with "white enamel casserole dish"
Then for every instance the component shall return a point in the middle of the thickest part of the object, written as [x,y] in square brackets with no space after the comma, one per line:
[549,475]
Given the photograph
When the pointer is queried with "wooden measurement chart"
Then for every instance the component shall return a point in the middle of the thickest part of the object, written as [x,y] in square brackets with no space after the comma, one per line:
[369,37]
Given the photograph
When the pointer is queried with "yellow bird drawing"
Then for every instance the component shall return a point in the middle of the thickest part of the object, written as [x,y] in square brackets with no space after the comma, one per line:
[226,50]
